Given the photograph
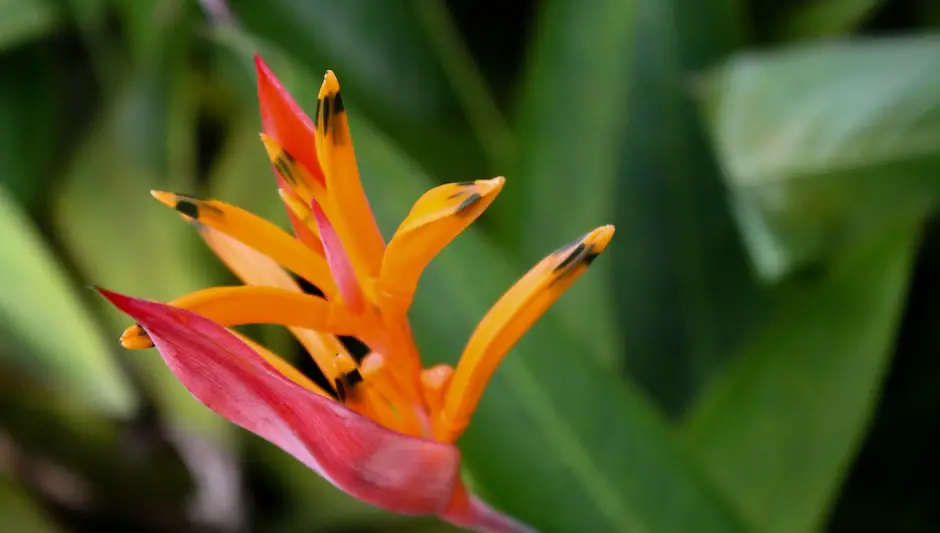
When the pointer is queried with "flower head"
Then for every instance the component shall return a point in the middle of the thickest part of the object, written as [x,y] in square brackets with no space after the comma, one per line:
[384,430]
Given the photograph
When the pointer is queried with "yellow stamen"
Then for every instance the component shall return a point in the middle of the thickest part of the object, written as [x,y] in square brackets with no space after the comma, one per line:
[257,233]
[434,221]
[254,268]
[235,306]
[355,223]
[507,321]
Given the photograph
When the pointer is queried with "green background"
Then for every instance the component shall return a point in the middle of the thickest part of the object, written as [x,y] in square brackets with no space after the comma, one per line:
[756,352]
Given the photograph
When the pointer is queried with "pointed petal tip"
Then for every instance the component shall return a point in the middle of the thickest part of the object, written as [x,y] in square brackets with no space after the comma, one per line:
[109,295]
[262,69]
[164,197]
[270,145]
[492,185]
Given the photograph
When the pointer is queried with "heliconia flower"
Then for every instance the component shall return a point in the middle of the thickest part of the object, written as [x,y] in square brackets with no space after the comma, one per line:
[384,431]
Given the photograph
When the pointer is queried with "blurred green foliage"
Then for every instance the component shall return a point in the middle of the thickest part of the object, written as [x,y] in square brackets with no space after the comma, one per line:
[754,354]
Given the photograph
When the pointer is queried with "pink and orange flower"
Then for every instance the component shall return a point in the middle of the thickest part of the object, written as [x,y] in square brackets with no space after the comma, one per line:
[384,432]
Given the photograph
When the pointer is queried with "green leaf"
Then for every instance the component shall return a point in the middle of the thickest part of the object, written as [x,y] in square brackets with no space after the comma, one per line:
[823,143]
[122,239]
[779,430]
[385,65]
[684,290]
[31,124]
[22,21]
[807,20]
[19,513]
[45,328]
[554,431]
[571,115]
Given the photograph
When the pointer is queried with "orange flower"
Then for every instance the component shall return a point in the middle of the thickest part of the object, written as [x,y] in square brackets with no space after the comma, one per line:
[384,432]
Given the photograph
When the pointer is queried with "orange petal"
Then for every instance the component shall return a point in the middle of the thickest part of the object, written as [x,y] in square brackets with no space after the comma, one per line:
[134,338]
[409,418]
[300,219]
[340,266]
[295,173]
[257,233]
[507,321]
[235,306]
[254,268]
[434,221]
[356,225]
[284,121]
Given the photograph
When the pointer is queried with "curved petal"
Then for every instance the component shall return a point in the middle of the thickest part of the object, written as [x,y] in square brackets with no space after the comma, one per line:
[434,221]
[390,470]
[506,322]
[468,511]
[255,232]
[356,224]
[258,304]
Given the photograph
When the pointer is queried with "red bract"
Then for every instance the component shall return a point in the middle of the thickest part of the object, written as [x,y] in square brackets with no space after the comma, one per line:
[388,469]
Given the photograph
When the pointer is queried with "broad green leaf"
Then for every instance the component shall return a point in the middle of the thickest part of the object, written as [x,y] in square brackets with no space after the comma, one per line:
[823,143]
[684,291]
[44,327]
[570,121]
[24,20]
[554,431]
[122,239]
[807,20]
[383,60]
[778,431]
[19,513]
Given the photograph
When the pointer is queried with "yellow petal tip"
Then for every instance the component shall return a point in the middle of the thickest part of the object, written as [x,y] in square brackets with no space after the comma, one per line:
[600,237]
[492,185]
[164,197]
[330,85]
[134,338]
[271,146]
